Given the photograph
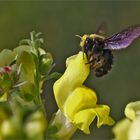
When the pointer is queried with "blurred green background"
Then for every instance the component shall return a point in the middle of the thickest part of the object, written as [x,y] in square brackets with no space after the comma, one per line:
[59,21]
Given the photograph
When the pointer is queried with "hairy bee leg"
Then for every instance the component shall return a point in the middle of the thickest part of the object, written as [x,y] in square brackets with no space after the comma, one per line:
[90,58]
[98,64]
[89,62]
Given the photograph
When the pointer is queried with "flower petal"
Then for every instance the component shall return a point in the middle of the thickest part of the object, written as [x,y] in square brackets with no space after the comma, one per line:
[80,99]
[132,109]
[84,118]
[134,131]
[81,109]
[121,129]
[102,112]
[75,74]
[77,102]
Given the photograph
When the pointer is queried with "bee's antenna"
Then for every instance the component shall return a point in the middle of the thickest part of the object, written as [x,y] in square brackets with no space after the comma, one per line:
[82,47]
[78,36]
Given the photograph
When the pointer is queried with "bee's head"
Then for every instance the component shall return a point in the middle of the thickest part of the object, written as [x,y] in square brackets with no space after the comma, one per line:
[87,42]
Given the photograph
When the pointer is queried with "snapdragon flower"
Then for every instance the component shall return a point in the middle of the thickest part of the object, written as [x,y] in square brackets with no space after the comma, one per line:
[77,102]
[129,128]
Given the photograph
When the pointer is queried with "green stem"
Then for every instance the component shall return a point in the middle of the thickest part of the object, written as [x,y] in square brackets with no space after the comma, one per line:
[37,84]
[38,80]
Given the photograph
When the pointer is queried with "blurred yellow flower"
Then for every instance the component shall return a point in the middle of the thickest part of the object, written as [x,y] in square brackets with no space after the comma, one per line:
[132,110]
[129,127]
[76,101]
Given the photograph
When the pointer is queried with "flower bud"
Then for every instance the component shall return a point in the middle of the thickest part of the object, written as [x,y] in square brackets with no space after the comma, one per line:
[37,123]
[46,63]
[7,129]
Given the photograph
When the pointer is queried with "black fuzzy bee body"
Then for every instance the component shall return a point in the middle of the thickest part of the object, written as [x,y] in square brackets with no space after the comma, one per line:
[106,63]
[100,60]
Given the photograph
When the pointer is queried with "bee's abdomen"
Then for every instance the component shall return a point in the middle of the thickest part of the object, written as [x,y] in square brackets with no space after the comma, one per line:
[107,57]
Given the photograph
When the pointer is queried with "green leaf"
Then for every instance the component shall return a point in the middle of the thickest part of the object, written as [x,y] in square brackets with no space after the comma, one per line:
[51,132]
[6,57]
[27,73]
[5,82]
[27,66]
[28,92]
[25,42]
[28,96]
[5,106]
[1,92]
[22,48]
[54,75]
[38,34]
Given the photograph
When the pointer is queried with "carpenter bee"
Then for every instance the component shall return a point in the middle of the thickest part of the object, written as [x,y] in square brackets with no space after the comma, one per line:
[98,49]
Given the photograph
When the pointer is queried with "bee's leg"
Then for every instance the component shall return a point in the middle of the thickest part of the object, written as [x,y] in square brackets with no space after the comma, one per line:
[90,59]
[89,62]
[98,64]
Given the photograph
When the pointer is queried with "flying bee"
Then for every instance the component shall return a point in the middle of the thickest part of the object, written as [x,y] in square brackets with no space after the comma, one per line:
[98,49]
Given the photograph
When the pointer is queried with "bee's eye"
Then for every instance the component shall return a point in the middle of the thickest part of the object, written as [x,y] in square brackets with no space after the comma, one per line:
[89,43]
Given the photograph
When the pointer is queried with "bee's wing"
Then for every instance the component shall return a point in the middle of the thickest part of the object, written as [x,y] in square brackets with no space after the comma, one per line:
[102,28]
[122,39]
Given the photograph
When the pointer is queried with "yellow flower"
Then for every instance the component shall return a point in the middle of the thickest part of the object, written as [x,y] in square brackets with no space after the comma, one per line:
[129,127]
[121,129]
[132,110]
[76,101]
